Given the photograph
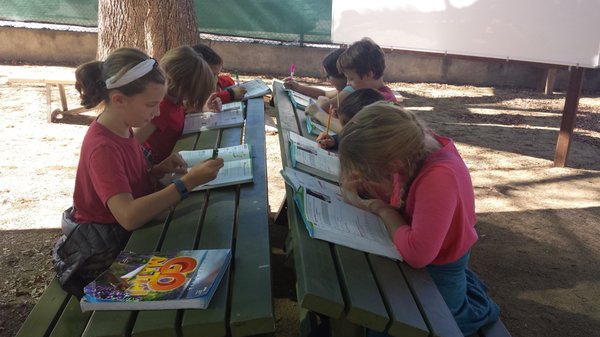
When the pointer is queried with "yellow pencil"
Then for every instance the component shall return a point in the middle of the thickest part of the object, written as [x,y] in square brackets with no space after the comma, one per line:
[328,122]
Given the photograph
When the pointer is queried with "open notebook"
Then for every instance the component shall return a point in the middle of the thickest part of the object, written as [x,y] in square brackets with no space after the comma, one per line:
[237,168]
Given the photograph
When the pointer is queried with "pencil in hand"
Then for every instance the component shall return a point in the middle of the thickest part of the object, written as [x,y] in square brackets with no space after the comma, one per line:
[328,122]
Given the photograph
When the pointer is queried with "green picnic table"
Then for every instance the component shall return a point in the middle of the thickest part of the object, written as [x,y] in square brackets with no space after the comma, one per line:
[233,217]
[353,289]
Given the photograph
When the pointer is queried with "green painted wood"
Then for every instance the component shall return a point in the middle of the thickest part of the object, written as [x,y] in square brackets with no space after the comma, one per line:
[217,232]
[496,329]
[72,321]
[181,234]
[344,328]
[437,315]
[406,319]
[186,142]
[110,324]
[301,117]
[286,116]
[119,323]
[364,305]
[286,121]
[317,285]
[318,288]
[184,229]
[251,293]
[43,316]
[206,140]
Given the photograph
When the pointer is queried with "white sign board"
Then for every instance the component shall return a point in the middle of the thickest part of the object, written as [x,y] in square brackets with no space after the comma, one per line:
[563,32]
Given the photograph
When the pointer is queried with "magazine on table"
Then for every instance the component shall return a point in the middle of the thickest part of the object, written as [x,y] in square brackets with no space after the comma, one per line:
[308,156]
[156,280]
[328,217]
[255,88]
[230,116]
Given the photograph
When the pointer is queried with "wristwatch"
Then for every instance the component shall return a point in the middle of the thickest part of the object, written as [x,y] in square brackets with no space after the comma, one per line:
[231,93]
[181,188]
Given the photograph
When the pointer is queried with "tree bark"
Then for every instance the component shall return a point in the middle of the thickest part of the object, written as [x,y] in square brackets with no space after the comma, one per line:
[170,23]
[150,25]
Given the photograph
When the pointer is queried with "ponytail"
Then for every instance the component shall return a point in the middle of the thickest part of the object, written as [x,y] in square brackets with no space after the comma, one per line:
[90,78]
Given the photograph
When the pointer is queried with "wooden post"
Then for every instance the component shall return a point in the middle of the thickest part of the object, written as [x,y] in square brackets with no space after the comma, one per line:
[567,123]
[63,96]
[550,78]
[49,102]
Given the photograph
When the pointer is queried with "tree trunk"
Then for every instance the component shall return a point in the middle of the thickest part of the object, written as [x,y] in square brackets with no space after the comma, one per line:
[170,24]
[150,25]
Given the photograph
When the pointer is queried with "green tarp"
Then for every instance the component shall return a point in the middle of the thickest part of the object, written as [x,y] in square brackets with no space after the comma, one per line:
[283,20]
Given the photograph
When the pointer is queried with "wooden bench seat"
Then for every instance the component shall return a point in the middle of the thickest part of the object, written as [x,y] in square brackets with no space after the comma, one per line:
[233,217]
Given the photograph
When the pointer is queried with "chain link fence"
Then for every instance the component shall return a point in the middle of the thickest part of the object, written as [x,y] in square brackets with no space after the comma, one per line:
[291,21]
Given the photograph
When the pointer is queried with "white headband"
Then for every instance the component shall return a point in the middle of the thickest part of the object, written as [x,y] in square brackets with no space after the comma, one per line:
[131,75]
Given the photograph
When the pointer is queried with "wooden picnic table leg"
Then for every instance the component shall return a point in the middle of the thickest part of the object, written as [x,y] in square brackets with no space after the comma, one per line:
[568,117]
[63,97]
[49,102]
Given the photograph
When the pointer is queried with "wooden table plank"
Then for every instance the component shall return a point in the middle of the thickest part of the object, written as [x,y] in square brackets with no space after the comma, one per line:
[439,319]
[184,228]
[364,305]
[311,257]
[217,232]
[286,116]
[72,321]
[317,285]
[43,316]
[251,293]
[406,319]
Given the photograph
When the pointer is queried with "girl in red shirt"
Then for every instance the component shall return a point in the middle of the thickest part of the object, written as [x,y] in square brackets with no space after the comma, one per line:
[113,192]
[189,86]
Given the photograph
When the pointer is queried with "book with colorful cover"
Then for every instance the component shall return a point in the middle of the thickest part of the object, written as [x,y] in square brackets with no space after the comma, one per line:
[185,279]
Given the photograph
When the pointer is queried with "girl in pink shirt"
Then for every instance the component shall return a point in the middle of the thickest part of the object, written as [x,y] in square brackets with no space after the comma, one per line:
[419,185]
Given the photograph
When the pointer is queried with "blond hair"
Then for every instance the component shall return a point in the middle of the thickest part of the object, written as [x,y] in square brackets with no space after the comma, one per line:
[378,135]
[188,76]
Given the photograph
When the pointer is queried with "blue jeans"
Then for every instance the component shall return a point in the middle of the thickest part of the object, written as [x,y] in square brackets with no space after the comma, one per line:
[465,295]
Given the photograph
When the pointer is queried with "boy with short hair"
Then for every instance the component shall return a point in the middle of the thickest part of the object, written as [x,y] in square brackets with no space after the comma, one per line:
[363,64]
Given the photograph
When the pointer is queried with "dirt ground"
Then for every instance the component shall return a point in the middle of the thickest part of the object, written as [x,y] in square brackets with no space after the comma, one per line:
[539,246]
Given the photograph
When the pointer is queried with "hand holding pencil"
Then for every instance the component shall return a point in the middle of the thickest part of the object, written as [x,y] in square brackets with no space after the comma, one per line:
[324,140]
